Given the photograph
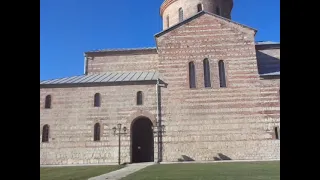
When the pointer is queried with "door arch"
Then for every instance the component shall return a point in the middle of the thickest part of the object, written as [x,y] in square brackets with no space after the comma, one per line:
[142,145]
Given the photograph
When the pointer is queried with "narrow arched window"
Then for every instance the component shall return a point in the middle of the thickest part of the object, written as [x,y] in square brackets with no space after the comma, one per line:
[97,100]
[168,23]
[192,75]
[96,133]
[139,98]
[206,73]
[45,133]
[222,74]
[180,14]
[218,11]
[199,7]
[47,103]
[277,132]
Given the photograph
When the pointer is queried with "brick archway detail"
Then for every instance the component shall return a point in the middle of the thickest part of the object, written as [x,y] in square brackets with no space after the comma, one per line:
[141,113]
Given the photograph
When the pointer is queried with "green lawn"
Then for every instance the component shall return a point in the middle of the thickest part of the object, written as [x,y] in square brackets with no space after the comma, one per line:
[74,173]
[214,171]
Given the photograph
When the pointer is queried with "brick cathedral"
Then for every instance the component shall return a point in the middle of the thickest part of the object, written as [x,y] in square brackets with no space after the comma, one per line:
[207,92]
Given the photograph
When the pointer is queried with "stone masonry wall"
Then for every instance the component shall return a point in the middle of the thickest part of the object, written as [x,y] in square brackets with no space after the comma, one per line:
[72,118]
[204,122]
[270,101]
[130,62]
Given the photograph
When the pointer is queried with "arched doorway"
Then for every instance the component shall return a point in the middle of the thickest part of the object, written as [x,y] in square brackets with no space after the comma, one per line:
[142,140]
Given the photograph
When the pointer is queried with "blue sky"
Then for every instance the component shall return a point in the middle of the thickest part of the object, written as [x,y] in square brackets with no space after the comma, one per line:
[68,28]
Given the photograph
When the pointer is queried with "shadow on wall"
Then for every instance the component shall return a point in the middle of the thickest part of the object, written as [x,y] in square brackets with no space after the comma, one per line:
[221,157]
[185,158]
[267,63]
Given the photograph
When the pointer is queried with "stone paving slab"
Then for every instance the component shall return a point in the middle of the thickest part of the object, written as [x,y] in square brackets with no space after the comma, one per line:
[123,172]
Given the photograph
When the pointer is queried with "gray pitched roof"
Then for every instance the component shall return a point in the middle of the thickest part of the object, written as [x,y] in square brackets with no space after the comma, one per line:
[268,63]
[266,42]
[108,77]
[277,73]
[195,16]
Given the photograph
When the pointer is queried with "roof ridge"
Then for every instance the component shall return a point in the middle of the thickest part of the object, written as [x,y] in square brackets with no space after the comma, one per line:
[198,14]
[266,42]
[60,78]
[121,49]
[90,78]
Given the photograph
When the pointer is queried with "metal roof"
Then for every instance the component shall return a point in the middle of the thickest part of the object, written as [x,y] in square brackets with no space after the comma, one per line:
[105,78]
[271,74]
[266,42]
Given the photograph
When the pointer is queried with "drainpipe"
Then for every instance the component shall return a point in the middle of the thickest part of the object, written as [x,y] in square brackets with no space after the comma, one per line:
[85,64]
[158,121]
[158,115]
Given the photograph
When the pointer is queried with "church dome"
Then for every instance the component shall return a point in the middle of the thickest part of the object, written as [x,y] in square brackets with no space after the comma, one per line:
[175,11]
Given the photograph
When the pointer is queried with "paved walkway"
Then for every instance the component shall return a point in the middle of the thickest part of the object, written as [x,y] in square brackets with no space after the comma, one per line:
[123,172]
